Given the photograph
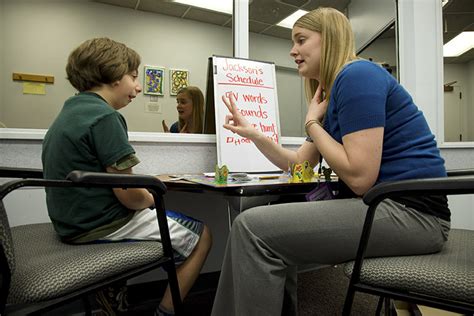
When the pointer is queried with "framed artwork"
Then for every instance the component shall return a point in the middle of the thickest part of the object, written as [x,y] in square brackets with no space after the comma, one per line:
[153,82]
[179,78]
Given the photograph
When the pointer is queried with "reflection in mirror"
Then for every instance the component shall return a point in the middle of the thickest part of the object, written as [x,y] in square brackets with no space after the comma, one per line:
[264,16]
[383,50]
[165,34]
[458,17]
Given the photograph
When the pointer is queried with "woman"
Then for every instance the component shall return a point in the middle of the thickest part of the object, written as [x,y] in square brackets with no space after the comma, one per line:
[190,111]
[368,130]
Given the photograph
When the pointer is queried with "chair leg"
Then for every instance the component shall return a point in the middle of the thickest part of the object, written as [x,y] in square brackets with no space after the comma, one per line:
[388,306]
[379,306]
[87,306]
[348,302]
[174,287]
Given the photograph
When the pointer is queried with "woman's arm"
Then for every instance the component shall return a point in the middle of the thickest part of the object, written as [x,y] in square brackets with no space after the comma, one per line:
[279,156]
[134,199]
[357,160]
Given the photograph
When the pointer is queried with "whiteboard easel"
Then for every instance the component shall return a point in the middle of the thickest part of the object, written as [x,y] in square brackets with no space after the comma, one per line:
[253,86]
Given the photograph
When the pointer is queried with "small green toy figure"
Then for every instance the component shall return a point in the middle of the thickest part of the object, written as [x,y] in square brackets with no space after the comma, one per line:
[221,174]
[327,173]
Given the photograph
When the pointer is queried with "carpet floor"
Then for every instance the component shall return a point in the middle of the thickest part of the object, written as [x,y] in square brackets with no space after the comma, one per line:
[320,292]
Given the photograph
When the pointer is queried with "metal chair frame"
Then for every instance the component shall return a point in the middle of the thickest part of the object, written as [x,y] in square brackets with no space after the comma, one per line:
[458,182]
[92,179]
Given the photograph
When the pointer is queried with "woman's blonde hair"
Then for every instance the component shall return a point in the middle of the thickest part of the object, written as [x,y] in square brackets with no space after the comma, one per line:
[337,46]
[198,108]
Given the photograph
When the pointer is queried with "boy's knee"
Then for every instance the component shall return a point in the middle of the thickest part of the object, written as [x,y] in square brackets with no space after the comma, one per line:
[206,237]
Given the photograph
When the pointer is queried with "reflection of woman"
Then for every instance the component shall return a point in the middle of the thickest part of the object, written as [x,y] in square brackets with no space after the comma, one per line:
[190,111]
[366,126]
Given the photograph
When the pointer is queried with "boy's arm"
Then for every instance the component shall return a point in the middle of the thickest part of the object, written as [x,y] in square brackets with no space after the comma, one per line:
[134,199]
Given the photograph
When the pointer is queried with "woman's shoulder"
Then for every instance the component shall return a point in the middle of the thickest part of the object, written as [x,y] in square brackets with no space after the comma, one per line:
[362,70]
[361,66]
[174,127]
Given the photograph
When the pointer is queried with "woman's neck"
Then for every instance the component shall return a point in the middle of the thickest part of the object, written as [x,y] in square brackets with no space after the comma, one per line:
[189,125]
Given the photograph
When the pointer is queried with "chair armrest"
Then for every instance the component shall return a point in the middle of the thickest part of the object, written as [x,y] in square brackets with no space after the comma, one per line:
[431,186]
[11,172]
[460,172]
[463,184]
[117,180]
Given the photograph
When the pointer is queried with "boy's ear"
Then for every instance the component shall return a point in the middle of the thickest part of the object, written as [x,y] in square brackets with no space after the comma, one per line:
[115,83]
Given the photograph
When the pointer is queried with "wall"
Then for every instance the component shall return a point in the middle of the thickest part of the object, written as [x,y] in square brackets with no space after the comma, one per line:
[462,74]
[2,39]
[470,100]
[381,47]
[272,49]
[46,50]
[369,18]
[421,57]
[50,29]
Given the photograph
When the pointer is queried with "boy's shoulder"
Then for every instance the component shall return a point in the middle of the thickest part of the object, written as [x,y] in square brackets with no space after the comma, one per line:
[84,109]
[88,98]
[88,102]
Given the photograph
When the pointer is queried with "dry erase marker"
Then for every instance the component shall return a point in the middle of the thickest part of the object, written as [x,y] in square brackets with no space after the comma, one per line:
[269,177]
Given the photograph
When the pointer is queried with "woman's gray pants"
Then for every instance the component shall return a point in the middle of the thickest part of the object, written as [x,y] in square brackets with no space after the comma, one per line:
[267,243]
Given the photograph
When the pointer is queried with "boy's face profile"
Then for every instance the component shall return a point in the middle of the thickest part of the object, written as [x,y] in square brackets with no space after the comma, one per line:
[126,89]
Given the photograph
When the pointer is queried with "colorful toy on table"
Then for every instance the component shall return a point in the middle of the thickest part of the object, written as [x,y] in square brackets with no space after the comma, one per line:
[221,174]
[301,172]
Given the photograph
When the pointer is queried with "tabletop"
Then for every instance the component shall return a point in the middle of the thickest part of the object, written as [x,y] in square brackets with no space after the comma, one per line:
[259,185]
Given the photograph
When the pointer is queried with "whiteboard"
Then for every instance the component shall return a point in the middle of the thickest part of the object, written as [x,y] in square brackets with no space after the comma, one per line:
[253,86]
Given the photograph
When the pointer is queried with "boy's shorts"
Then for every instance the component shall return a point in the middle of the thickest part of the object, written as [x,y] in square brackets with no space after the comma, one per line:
[184,231]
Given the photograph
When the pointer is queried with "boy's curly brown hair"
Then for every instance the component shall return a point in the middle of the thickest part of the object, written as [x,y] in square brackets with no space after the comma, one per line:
[100,61]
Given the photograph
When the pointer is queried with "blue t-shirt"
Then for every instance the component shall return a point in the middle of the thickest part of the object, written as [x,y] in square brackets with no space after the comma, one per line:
[364,95]
[175,127]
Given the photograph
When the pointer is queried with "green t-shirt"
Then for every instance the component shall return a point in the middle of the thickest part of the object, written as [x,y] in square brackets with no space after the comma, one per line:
[89,135]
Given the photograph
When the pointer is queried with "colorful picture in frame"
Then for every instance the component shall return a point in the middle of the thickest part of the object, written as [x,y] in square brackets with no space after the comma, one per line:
[179,78]
[153,82]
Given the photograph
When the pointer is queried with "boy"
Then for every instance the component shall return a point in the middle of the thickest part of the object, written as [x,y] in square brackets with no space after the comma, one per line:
[90,134]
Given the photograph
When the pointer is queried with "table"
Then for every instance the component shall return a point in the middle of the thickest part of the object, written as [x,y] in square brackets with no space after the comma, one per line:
[217,206]
[240,195]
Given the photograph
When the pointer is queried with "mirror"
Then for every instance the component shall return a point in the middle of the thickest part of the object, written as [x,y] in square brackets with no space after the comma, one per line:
[458,16]
[40,34]
[374,28]
[165,34]
[383,50]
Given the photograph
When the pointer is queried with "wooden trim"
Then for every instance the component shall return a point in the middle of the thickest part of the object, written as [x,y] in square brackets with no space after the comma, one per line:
[448,88]
[32,77]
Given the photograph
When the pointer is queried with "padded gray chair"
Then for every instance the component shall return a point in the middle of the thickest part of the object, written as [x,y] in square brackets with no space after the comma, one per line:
[442,280]
[39,272]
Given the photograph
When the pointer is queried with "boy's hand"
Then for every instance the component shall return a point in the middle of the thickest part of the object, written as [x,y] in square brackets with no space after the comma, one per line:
[133,199]
[165,127]
[236,122]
